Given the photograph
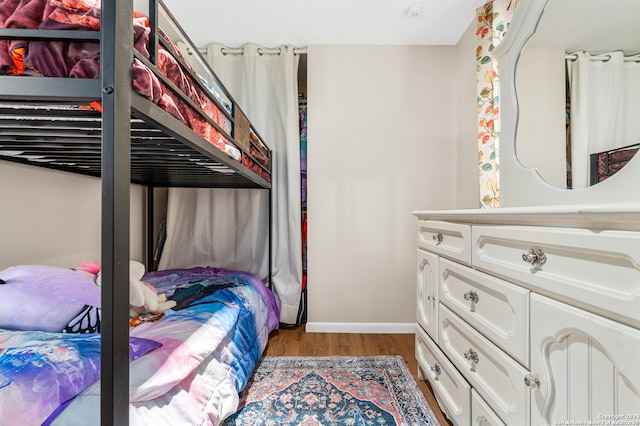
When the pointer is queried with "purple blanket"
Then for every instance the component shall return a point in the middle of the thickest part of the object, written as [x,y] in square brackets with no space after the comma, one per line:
[196,359]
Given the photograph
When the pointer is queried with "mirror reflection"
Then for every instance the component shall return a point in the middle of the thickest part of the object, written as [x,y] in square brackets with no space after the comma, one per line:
[578,88]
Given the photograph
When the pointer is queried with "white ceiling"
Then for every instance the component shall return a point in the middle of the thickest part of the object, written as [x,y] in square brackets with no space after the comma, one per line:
[586,25]
[270,23]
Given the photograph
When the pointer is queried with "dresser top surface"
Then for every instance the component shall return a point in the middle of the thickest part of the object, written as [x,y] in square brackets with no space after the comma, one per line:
[623,216]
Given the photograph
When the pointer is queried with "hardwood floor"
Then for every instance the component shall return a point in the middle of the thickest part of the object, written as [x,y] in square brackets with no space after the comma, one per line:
[297,342]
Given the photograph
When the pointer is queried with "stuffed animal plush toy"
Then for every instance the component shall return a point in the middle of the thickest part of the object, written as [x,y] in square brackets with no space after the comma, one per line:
[143,297]
[57,299]
[45,298]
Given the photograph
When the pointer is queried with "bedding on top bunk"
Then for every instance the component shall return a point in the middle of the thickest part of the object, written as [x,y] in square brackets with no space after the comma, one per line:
[186,368]
[81,59]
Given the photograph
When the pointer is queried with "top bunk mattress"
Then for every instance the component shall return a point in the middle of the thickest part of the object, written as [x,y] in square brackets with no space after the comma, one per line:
[161,75]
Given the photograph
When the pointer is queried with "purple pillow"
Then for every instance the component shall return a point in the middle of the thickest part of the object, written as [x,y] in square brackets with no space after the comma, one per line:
[46,298]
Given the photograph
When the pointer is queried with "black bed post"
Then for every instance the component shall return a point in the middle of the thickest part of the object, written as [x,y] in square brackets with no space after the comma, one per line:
[150,228]
[116,58]
[270,236]
[153,36]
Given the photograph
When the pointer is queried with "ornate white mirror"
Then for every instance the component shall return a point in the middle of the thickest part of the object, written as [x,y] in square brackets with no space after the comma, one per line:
[555,132]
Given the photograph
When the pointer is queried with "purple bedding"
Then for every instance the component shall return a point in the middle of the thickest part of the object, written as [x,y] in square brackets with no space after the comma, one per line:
[188,367]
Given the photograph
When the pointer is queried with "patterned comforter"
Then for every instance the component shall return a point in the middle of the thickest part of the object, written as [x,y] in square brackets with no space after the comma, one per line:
[186,368]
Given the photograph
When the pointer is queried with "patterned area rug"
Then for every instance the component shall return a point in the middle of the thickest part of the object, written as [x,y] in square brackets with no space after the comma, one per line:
[371,390]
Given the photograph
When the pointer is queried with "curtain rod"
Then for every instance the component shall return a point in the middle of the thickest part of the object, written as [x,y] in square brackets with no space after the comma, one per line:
[261,50]
[604,58]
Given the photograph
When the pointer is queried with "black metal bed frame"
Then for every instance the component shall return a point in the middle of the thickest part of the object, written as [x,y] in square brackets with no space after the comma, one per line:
[609,163]
[131,141]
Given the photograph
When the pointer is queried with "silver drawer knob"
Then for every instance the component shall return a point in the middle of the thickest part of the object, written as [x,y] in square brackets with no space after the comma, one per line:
[471,355]
[431,298]
[438,238]
[535,258]
[531,381]
[435,368]
[471,296]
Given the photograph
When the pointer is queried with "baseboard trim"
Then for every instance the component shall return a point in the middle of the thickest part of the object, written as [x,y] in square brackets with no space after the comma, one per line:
[361,327]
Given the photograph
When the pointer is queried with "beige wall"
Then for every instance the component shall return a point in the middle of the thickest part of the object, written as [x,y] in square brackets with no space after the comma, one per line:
[383,136]
[467,191]
[53,218]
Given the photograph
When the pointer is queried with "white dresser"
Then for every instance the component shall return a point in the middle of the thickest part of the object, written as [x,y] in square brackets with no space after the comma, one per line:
[531,316]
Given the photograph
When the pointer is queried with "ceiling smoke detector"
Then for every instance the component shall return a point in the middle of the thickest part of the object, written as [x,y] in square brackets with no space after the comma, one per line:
[414,11]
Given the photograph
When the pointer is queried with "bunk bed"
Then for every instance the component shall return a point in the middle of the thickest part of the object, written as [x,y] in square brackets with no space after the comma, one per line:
[100,90]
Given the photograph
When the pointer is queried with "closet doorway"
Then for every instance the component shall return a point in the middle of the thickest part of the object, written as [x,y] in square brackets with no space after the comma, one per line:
[302,108]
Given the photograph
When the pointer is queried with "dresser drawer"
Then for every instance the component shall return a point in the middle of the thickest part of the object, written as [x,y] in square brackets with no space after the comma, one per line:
[427,308]
[481,413]
[497,309]
[452,240]
[598,271]
[497,378]
[451,390]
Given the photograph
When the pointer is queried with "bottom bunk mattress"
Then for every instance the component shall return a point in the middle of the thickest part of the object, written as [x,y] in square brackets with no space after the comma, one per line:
[186,367]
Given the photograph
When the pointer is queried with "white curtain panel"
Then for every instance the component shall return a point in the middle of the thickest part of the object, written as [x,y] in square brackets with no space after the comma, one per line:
[228,227]
[605,99]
